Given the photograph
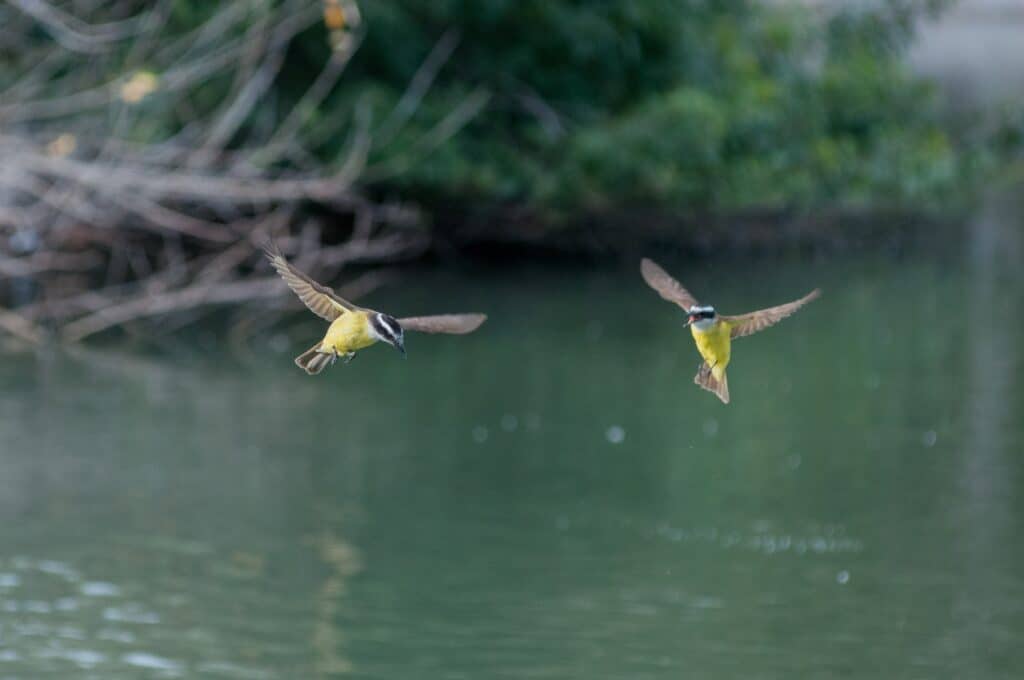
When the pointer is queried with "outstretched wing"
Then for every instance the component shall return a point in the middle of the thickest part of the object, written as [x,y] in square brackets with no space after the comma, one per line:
[667,287]
[747,324]
[320,299]
[455,324]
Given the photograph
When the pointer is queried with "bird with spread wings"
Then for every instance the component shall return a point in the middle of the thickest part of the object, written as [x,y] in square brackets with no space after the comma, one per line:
[353,327]
[713,332]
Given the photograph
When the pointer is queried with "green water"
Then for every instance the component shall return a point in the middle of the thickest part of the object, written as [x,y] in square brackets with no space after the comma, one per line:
[549,498]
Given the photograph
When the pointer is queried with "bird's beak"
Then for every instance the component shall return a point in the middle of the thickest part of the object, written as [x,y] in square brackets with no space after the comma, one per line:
[691,319]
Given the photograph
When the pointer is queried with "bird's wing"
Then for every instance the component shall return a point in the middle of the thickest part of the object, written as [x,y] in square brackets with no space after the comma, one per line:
[455,324]
[747,324]
[320,299]
[667,287]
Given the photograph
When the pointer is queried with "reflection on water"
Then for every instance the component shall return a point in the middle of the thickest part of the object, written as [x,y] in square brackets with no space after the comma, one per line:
[987,512]
[328,641]
[550,498]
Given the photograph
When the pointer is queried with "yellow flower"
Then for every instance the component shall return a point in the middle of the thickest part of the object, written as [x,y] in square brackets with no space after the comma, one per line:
[139,86]
[63,145]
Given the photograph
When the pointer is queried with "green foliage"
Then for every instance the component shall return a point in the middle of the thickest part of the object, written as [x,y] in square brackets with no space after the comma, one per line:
[592,106]
[670,105]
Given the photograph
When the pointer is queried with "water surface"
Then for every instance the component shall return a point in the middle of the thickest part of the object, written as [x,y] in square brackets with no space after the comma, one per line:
[548,498]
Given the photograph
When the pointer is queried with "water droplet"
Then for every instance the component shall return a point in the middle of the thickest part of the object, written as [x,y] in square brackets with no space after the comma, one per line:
[55,568]
[130,613]
[615,434]
[794,461]
[707,602]
[85,658]
[114,635]
[279,343]
[66,604]
[509,422]
[70,633]
[843,577]
[929,438]
[151,661]
[100,589]
[480,434]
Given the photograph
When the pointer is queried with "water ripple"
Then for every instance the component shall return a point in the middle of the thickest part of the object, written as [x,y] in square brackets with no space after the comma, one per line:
[153,662]
[131,613]
[830,542]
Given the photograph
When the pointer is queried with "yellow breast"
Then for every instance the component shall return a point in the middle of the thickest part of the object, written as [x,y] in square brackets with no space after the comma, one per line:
[348,333]
[714,345]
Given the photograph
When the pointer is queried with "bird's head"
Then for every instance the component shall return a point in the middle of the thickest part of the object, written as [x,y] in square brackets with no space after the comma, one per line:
[387,329]
[701,317]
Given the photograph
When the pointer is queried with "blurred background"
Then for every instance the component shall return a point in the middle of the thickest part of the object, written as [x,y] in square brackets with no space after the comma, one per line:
[550,497]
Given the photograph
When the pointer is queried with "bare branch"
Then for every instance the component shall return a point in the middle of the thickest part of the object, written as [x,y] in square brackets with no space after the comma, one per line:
[21,328]
[71,33]
[128,194]
[418,87]
[188,298]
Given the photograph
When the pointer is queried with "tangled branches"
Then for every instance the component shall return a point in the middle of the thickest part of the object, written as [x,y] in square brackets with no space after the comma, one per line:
[146,156]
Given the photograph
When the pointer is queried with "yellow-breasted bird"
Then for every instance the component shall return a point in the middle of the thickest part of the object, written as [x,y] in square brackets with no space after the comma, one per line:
[714,332]
[354,328]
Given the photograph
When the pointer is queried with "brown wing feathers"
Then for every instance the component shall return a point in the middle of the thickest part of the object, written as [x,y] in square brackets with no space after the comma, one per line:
[666,286]
[455,324]
[327,304]
[320,299]
[746,324]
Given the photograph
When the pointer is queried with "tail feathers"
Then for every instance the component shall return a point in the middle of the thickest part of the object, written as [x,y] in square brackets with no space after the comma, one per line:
[706,379]
[313,360]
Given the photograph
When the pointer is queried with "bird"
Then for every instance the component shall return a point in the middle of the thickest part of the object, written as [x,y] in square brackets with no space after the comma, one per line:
[354,328]
[713,332]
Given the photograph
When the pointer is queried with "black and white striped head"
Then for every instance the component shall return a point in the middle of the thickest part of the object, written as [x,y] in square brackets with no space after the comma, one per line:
[387,329]
[701,316]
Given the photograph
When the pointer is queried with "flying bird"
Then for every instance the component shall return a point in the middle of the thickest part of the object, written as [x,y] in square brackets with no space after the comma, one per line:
[354,328]
[714,332]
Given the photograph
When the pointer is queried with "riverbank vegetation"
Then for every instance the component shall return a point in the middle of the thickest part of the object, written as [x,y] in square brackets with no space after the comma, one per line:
[150,147]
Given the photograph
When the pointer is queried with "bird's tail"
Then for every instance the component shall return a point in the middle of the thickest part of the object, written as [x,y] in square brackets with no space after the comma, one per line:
[312,361]
[706,378]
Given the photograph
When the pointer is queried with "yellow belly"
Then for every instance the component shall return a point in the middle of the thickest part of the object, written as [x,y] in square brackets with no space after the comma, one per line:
[348,333]
[714,345]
